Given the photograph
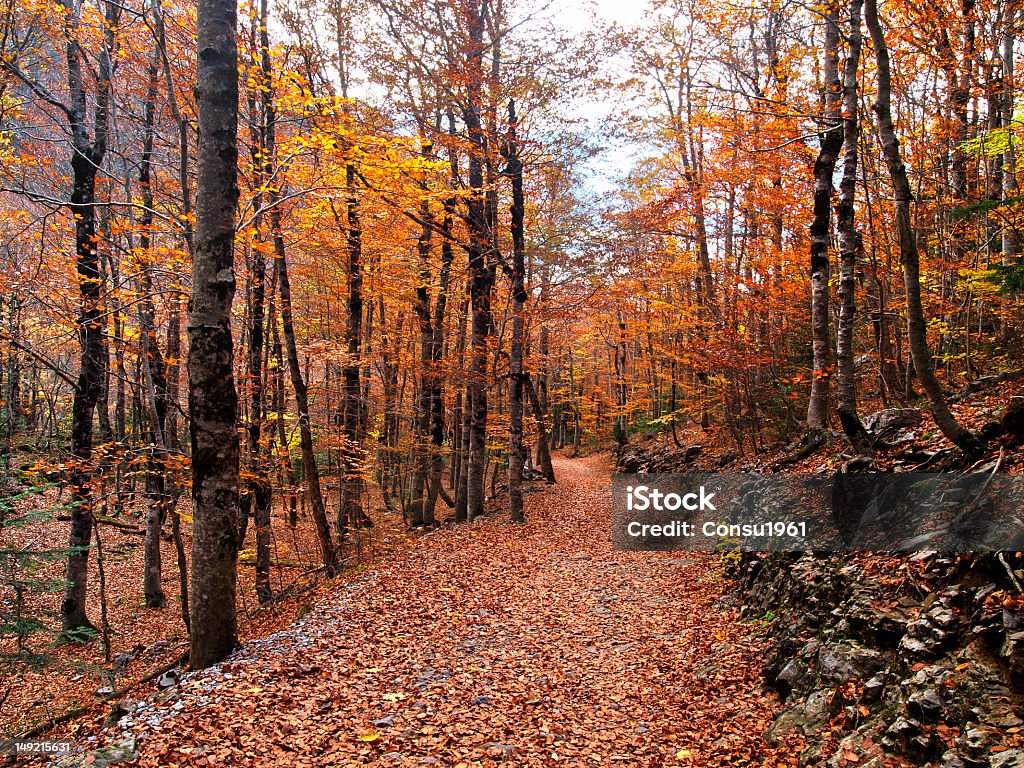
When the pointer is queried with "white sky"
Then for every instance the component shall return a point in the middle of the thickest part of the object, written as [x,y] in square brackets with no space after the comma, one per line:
[579,15]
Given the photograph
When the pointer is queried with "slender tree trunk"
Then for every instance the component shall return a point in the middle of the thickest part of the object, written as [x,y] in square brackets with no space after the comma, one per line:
[517,374]
[619,380]
[86,159]
[350,510]
[1011,239]
[309,467]
[437,380]
[916,328]
[831,140]
[213,400]
[155,368]
[260,488]
[172,441]
[850,244]
[543,350]
[421,421]
[481,273]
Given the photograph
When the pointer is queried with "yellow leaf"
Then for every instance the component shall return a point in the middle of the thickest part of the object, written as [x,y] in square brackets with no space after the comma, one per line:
[370,735]
[684,754]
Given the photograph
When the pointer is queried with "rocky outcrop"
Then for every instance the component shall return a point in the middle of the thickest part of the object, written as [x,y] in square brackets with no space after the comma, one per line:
[929,672]
[889,424]
[652,456]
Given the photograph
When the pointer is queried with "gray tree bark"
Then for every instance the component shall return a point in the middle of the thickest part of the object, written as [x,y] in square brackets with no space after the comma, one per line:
[850,244]
[917,338]
[831,142]
[86,159]
[213,400]
[517,375]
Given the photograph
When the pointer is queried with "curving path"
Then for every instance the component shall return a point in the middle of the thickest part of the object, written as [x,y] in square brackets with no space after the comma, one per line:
[529,645]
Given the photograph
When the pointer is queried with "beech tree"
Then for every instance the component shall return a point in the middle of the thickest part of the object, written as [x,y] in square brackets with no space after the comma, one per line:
[213,401]
[850,241]
[831,142]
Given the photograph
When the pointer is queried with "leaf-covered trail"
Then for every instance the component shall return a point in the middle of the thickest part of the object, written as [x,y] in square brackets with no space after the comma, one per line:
[534,645]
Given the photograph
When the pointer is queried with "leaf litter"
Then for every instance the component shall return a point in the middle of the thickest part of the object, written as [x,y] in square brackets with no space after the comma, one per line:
[492,643]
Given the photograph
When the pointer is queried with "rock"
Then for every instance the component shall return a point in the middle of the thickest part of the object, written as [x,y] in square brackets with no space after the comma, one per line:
[505,750]
[810,756]
[907,737]
[1011,758]
[168,679]
[1012,417]
[1005,720]
[806,717]
[977,742]
[384,722]
[120,710]
[873,626]
[125,751]
[873,689]
[122,660]
[847,660]
[951,759]
[860,744]
[888,423]
[926,705]
[1013,644]
[790,677]
[479,701]
[916,648]
[1011,620]
[942,617]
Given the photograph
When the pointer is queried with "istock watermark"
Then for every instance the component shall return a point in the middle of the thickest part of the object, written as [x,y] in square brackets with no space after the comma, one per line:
[842,512]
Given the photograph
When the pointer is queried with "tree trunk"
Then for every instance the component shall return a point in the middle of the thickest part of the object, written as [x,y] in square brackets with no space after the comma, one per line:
[619,380]
[155,369]
[916,329]
[350,510]
[517,374]
[543,457]
[309,467]
[260,489]
[421,421]
[849,244]
[481,273]
[213,401]
[1011,240]
[831,142]
[87,157]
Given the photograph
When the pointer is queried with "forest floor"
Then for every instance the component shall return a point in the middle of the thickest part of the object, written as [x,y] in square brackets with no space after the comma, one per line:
[49,681]
[489,642]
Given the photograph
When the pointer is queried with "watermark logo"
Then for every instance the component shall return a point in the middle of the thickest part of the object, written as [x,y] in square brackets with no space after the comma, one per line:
[642,498]
[827,513]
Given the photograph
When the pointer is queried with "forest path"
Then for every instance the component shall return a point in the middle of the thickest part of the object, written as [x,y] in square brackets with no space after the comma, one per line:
[532,645]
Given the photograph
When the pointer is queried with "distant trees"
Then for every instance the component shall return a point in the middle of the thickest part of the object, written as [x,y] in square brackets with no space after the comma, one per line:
[926,243]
